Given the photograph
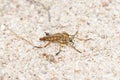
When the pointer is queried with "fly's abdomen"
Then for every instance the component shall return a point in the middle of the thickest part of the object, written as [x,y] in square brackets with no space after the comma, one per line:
[50,38]
[43,39]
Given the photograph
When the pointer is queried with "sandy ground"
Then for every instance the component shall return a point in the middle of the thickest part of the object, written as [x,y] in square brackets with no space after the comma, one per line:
[30,19]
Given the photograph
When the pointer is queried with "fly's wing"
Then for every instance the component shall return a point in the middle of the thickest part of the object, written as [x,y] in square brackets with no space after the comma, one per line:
[65,33]
[52,37]
[57,34]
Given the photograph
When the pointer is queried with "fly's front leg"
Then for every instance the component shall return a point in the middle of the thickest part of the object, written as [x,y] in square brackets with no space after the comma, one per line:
[84,39]
[43,46]
[75,48]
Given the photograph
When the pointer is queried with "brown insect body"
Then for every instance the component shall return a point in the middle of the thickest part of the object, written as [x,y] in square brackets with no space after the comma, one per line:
[62,38]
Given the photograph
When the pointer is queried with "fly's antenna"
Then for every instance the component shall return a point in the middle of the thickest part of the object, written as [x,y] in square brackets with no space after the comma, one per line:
[75,33]
[73,36]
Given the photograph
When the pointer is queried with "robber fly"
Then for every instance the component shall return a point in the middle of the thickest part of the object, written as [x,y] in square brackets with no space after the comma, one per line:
[62,38]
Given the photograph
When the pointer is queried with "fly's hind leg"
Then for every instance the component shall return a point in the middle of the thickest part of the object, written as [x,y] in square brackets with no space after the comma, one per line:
[61,45]
[43,45]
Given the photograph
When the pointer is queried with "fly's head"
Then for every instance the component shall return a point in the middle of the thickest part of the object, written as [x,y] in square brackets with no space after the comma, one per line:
[71,40]
[71,37]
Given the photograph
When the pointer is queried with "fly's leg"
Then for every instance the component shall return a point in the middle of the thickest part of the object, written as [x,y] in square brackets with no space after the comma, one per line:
[58,51]
[61,45]
[84,39]
[75,48]
[43,45]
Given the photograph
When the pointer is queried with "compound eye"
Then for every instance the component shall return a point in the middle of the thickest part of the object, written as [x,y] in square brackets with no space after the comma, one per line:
[71,40]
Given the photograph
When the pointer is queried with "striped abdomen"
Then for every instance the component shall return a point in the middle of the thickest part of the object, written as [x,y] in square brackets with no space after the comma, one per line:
[50,38]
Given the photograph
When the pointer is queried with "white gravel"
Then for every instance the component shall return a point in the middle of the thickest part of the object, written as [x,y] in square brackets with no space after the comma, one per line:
[30,19]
